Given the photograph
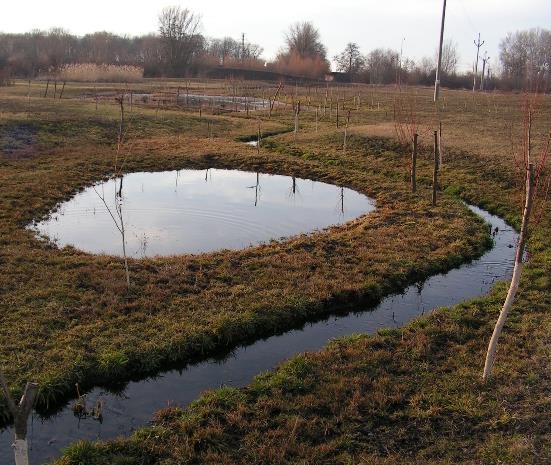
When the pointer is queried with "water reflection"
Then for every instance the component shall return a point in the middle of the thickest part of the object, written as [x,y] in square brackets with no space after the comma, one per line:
[197,211]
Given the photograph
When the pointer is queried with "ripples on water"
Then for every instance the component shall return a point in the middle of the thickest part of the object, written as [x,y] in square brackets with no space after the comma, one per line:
[197,211]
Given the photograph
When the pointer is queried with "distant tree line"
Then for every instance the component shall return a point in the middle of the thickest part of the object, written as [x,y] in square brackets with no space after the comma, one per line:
[179,49]
[524,62]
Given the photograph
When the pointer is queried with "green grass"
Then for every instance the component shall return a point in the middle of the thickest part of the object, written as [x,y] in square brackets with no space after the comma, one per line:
[410,395]
[62,309]
[401,396]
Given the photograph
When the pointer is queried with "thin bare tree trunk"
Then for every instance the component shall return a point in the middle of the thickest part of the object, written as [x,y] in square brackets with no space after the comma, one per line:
[272,102]
[515,280]
[20,415]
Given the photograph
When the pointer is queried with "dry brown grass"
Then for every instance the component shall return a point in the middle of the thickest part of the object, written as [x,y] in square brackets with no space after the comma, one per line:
[91,72]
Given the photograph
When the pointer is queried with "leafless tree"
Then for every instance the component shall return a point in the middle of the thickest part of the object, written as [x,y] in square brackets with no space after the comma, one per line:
[304,40]
[350,60]
[537,179]
[526,57]
[450,57]
[179,31]
[382,66]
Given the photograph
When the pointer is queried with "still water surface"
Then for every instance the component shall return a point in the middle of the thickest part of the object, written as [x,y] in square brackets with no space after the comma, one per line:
[197,211]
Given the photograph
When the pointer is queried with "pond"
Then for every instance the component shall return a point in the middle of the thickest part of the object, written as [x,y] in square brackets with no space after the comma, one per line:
[197,211]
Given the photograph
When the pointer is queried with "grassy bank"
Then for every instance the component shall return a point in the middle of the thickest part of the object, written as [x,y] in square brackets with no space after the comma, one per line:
[412,395]
[62,310]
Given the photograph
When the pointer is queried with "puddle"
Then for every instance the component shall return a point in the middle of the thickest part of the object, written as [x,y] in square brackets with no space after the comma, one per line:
[197,211]
[222,102]
[136,404]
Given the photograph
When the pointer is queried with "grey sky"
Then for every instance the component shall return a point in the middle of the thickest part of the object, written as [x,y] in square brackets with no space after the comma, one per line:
[370,23]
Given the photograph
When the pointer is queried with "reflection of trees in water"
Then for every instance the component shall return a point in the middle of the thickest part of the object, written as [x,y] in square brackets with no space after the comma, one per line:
[257,189]
[340,202]
[118,219]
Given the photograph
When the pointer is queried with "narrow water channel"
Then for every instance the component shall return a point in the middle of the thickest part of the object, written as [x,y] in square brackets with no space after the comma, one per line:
[134,407]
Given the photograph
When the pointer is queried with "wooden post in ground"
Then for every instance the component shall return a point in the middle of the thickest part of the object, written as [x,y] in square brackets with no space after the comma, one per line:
[47,86]
[414,164]
[20,413]
[297,111]
[337,113]
[317,119]
[62,89]
[346,131]
[55,88]
[435,170]
[29,100]
[258,138]
[272,102]
[440,155]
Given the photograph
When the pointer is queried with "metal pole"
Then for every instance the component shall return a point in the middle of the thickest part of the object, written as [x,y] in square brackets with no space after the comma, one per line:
[437,82]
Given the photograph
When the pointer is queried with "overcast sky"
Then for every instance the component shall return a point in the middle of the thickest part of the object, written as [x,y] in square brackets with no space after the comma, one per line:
[370,23]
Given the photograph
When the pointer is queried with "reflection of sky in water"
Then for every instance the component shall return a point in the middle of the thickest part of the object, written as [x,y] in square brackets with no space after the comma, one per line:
[195,211]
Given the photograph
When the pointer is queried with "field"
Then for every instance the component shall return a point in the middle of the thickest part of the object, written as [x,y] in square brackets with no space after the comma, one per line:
[411,395]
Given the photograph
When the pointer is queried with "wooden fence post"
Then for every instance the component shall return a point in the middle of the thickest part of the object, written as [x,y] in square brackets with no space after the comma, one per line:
[435,170]
[414,164]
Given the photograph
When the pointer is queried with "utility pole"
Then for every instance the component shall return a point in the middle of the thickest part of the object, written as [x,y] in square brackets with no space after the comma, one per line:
[243,46]
[485,60]
[478,44]
[400,64]
[437,81]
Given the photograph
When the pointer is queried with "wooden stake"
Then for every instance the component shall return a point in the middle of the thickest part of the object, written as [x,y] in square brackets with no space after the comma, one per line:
[414,164]
[297,111]
[435,170]
[258,138]
[29,100]
[317,119]
[62,89]
[440,156]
